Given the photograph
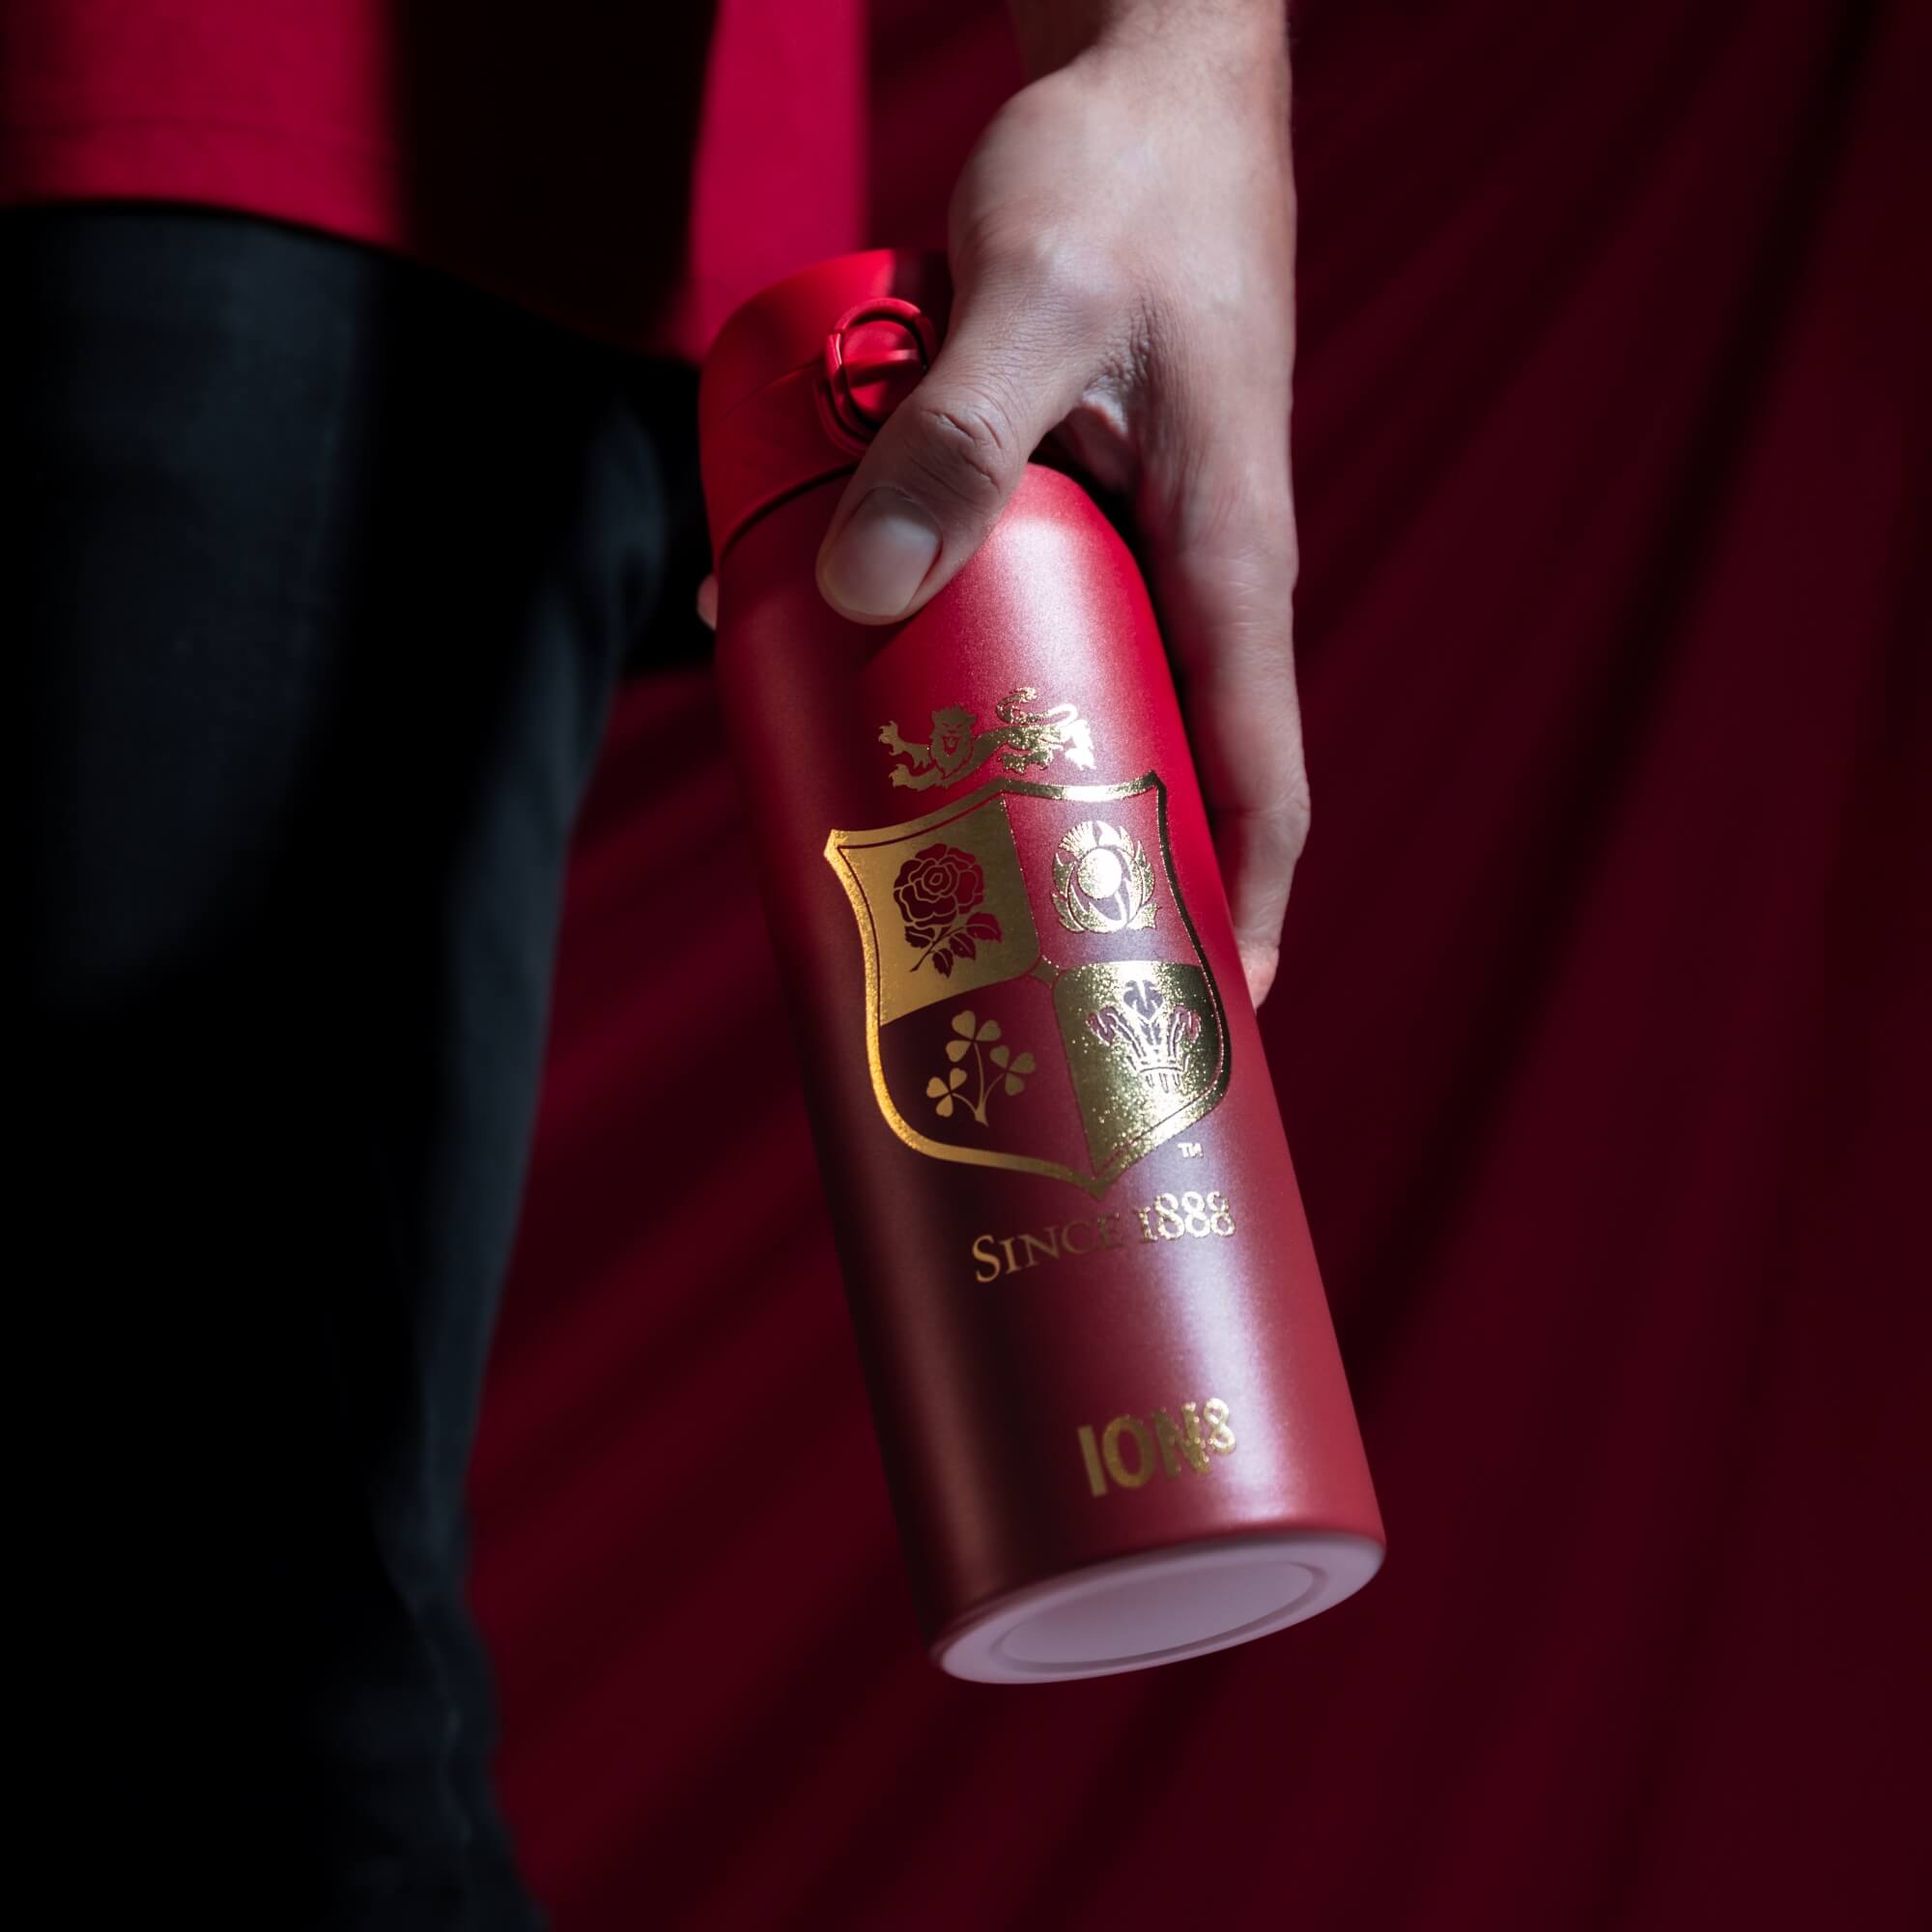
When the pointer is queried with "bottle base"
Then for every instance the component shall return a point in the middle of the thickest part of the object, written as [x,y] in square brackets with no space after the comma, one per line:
[1157,1607]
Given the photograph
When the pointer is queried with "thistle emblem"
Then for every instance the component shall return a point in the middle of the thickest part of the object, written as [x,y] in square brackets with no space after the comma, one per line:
[1149,1033]
[1102,880]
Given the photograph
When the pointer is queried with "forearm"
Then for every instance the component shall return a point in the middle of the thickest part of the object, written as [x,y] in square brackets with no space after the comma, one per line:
[1052,33]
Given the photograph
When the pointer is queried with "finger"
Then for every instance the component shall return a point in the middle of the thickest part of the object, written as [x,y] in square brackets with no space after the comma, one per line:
[1223,570]
[707,603]
[940,469]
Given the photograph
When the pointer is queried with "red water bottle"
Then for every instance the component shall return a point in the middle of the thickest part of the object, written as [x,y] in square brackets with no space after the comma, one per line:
[1107,1394]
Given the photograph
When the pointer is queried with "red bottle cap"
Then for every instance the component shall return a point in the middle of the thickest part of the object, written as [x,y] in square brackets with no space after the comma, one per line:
[802,376]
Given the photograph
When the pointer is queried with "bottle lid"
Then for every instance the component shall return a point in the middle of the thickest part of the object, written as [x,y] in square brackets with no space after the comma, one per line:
[801,376]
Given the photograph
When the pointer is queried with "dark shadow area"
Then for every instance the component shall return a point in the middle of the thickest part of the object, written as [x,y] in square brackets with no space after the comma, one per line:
[552,149]
[586,225]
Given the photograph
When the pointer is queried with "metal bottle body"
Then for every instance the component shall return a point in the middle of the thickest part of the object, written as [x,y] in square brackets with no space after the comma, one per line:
[1089,1313]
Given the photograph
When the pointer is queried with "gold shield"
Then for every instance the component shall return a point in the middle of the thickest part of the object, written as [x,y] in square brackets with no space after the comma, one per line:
[1036,996]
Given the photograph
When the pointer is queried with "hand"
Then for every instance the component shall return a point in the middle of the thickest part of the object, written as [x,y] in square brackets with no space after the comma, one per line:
[1122,243]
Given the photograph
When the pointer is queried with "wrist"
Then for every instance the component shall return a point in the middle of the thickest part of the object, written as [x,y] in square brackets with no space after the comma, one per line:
[1172,35]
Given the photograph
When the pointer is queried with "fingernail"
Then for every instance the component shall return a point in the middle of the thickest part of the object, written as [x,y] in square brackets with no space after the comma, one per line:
[882,556]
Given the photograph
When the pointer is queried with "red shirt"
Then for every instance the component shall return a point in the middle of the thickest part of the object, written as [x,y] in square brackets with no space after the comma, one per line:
[631,170]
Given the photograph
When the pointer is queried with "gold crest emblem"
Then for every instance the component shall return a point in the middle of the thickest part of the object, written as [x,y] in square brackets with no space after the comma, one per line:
[1036,996]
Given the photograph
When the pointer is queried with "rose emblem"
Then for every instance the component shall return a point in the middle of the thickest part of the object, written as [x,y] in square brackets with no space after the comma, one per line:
[938,892]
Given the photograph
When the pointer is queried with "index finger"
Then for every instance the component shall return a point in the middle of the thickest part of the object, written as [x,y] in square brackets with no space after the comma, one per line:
[1223,570]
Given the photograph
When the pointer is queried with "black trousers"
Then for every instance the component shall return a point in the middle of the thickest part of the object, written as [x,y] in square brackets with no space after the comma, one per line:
[316,573]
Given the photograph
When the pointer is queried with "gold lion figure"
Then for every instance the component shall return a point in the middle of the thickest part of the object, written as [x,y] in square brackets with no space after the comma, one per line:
[1023,738]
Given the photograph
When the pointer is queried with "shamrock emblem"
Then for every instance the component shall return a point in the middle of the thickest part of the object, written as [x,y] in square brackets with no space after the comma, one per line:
[981,1039]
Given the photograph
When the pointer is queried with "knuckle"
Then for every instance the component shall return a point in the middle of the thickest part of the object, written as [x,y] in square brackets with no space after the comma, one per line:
[1012,246]
[1246,509]
[1280,813]
[1259,764]
[964,448]
[1298,814]
[1280,829]
[1081,285]
[1065,279]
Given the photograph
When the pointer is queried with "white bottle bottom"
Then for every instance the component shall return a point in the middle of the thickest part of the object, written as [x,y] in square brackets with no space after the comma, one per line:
[1158,1607]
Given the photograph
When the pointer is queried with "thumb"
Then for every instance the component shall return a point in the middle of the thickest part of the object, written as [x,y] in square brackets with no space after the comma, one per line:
[946,460]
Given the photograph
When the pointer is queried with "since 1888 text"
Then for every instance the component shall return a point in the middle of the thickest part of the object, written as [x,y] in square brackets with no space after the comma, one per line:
[1168,1217]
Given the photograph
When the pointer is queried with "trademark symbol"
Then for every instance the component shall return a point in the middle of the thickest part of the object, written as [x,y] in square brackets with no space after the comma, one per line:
[1189,1149]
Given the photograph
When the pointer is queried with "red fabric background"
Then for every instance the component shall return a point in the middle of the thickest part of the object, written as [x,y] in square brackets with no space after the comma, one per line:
[632,170]
[1593,1039]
